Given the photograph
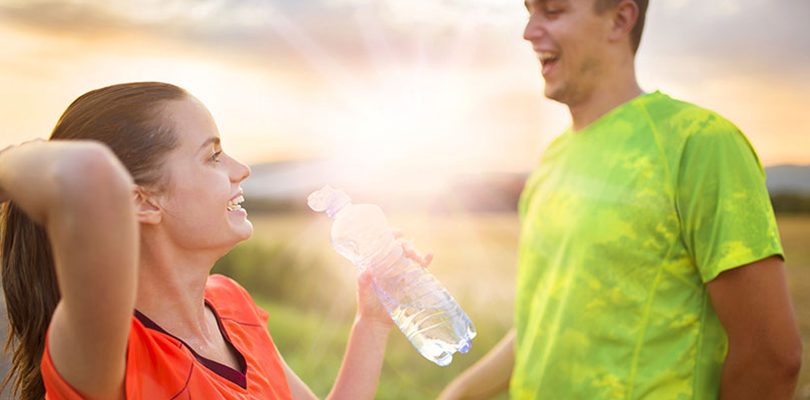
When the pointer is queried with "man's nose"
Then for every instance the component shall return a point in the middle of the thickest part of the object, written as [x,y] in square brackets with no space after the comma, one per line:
[533,30]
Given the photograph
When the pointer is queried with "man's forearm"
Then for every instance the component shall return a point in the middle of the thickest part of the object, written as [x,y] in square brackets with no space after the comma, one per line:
[752,376]
[764,344]
[488,377]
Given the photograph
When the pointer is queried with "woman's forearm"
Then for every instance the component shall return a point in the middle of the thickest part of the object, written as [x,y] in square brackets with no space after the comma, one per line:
[362,362]
[28,177]
[40,177]
[80,194]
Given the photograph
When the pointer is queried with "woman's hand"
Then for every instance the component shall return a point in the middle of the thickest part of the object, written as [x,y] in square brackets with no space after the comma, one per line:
[4,196]
[362,363]
[368,305]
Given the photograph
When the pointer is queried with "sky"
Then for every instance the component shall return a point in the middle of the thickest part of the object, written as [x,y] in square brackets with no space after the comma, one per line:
[431,87]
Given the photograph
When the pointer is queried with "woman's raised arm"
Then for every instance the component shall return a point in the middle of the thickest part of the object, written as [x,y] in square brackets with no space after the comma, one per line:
[82,196]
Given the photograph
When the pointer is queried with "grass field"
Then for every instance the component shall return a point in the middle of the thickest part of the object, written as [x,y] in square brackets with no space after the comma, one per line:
[795,232]
[292,270]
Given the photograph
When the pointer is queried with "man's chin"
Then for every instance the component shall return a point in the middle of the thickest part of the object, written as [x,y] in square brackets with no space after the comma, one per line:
[553,93]
[561,94]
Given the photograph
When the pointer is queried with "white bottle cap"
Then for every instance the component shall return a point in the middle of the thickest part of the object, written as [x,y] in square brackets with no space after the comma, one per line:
[328,199]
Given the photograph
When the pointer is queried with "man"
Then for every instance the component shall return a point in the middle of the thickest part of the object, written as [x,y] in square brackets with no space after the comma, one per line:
[650,266]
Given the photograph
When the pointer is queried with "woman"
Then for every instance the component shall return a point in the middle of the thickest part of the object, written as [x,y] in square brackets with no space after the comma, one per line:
[131,214]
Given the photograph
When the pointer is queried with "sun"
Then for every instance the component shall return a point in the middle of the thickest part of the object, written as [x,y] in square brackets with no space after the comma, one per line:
[404,117]
[401,128]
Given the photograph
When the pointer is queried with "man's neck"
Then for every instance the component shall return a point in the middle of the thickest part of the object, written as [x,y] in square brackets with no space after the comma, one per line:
[611,93]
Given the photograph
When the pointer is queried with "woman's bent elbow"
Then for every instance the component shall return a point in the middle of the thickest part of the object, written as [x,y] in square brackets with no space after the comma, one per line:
[89,173]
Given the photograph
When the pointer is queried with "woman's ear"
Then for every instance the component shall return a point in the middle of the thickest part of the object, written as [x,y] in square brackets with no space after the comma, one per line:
[147,211]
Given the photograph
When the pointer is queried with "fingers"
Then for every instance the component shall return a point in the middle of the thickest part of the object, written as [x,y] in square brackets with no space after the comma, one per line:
[410,250]
[4,197]
[414,254]
[365,293]
[365,278]
[428,259]
[37,140]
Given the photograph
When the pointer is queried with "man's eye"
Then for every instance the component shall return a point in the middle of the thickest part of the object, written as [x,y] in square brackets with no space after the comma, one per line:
[215,156]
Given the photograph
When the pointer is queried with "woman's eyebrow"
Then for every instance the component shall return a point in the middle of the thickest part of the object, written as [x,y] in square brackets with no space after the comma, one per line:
[212,140]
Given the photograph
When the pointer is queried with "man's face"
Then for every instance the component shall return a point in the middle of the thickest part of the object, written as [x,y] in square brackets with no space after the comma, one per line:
[568,37]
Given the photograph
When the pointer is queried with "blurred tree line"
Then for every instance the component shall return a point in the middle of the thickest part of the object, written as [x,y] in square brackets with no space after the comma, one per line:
[499,201]
[791,203]
[275,272]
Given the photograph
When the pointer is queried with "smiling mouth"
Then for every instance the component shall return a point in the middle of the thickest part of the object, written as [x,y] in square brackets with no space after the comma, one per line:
[234,204]
[547,60]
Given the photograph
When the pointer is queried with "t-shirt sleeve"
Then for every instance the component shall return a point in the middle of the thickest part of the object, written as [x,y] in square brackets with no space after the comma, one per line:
[55,386]
[725,211]
[234,290]
[264,317]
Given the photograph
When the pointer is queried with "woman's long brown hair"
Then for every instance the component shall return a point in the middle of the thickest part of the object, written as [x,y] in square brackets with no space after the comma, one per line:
[128,119]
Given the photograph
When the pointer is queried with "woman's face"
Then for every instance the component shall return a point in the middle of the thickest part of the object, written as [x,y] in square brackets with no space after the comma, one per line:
[198,205]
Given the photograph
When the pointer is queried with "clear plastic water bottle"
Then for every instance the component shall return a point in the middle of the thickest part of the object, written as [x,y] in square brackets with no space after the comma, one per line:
[422,309]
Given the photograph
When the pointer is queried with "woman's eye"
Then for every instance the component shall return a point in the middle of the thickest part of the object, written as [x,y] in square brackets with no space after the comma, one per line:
[215,156]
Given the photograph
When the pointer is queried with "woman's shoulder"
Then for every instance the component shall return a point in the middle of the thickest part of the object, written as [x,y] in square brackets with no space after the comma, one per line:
[232,301]
[218,284]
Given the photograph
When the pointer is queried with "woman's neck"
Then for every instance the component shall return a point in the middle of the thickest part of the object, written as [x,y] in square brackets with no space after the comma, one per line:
[171,290]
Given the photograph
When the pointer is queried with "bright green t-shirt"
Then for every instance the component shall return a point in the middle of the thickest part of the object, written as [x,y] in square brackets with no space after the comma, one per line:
[623,223]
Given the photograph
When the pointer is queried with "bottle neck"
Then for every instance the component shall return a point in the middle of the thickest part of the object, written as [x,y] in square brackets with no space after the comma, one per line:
[334,209]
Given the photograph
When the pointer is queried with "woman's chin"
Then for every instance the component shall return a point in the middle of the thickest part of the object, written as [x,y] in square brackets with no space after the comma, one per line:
[245,231]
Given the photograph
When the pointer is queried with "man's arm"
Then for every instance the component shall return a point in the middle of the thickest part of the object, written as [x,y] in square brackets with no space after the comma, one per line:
[764,352]
[486,378]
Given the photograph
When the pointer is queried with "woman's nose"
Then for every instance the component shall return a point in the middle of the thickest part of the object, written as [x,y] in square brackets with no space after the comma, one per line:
[240,171]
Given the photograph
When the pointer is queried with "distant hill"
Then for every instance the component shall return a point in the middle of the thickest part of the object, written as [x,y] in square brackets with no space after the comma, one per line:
[288,179]
[284,186]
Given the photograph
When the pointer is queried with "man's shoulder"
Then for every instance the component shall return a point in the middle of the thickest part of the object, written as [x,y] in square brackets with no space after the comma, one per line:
[684,117]
[664,105]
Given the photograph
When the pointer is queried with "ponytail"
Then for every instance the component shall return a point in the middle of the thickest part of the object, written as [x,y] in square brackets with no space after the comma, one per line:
[128,119]
[29,282]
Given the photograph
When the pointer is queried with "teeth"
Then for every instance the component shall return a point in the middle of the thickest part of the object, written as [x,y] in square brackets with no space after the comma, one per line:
[234,204]
[546,56]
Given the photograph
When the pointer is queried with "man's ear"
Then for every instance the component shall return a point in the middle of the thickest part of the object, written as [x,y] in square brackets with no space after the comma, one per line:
[625,17]
[147,211]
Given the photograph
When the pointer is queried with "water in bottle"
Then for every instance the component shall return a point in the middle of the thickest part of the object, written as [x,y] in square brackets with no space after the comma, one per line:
[422,309]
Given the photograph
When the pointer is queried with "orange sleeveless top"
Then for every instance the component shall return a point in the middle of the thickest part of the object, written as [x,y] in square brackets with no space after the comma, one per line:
[160,366]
